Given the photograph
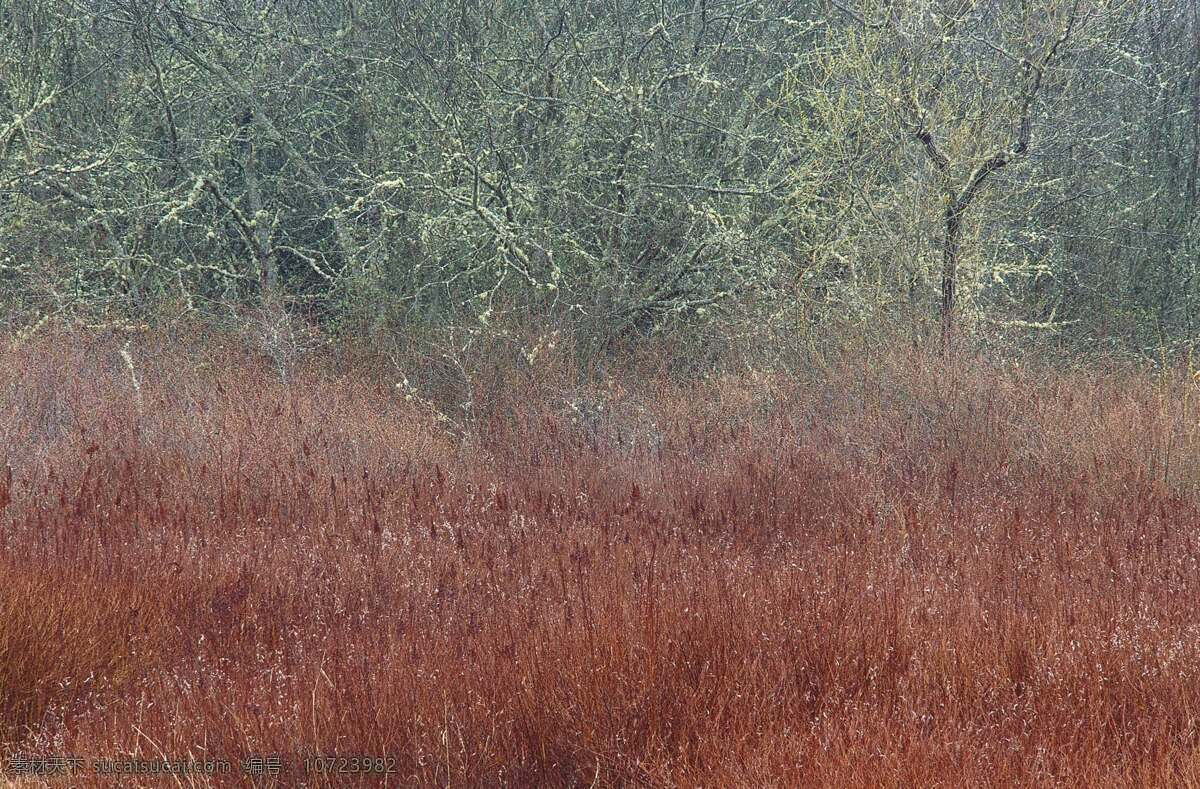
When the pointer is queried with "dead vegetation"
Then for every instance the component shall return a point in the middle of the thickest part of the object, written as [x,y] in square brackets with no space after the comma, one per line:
[898,573]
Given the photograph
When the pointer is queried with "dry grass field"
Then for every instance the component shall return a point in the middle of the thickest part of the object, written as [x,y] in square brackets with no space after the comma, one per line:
[888,571]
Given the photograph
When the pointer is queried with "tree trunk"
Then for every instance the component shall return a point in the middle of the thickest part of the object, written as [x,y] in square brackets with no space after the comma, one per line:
[950,242]
[268,267]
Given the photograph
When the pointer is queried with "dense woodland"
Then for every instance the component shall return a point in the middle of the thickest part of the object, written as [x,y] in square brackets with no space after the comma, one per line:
[952,169]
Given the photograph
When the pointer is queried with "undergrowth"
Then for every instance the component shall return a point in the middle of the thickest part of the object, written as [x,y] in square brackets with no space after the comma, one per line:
[895,571]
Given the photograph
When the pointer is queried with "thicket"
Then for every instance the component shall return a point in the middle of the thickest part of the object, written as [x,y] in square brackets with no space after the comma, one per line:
[385,168]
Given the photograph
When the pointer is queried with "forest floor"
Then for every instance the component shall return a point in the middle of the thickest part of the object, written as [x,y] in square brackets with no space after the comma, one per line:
[903,572]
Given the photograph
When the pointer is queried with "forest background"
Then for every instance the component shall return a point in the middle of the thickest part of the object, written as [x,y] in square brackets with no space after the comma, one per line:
[739,177]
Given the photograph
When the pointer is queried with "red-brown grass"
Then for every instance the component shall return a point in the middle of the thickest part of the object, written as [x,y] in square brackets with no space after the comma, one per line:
[895,571]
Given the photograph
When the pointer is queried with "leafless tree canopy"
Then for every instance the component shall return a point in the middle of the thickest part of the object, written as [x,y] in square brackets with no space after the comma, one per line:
[633,166]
